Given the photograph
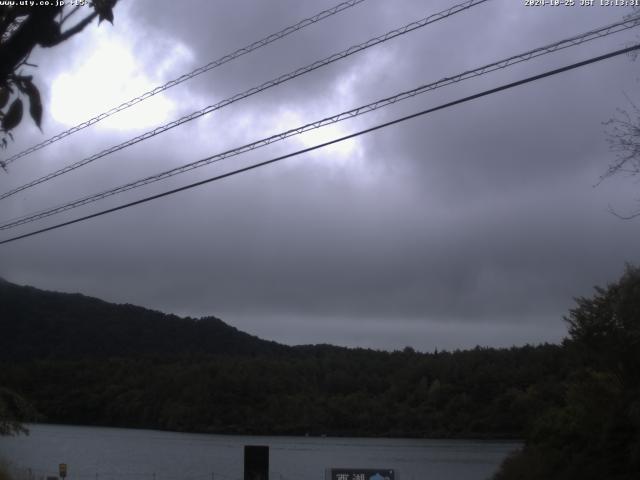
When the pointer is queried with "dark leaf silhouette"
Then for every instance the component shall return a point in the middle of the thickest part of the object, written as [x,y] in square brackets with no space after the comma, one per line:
[35,103]
[13,116]
[4,97]
[104,9]
[24,27]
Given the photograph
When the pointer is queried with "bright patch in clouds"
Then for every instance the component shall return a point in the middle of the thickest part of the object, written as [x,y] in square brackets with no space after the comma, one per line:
[341,152]
[109,75]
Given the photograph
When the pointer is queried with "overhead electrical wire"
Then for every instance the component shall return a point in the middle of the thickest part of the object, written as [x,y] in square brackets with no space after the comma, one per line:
[188,76]
[252,91]
[501,64]
[331,142]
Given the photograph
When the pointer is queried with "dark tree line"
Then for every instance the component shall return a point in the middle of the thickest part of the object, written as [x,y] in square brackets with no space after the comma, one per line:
[576,404]
[315,390]
[85,361]
[594,433]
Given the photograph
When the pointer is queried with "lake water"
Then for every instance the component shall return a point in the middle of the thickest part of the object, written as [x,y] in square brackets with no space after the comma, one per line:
[122,454]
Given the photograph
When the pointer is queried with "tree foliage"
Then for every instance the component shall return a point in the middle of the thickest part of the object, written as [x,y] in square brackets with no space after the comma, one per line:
[623,136]
[595,432]
[481,393]
[14,410]
[23,28]
[84,361]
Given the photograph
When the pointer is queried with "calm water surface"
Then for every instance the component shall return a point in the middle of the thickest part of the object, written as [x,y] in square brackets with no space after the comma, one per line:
[121,454]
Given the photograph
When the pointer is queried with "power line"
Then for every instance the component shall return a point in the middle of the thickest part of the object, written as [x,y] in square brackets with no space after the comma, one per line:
[331,142]
[252,91]
[515,59]
[183,78]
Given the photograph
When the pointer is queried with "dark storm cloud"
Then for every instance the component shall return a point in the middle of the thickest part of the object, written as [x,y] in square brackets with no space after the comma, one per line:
[477,224]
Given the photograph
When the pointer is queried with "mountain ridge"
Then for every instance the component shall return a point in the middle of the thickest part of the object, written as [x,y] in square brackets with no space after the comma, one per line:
[84,361]
[39,324]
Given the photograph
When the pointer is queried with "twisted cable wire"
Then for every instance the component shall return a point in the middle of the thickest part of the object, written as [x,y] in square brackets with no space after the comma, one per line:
[252,91]
[631,49]
[187,76]
[370,107]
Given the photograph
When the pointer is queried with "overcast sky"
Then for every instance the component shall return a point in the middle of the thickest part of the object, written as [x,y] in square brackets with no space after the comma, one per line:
[478,224]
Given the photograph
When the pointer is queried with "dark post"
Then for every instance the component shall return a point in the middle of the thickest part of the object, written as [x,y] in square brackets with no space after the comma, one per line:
[256,462]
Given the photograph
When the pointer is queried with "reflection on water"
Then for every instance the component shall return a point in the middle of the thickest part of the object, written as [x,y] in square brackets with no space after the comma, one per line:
[122,454]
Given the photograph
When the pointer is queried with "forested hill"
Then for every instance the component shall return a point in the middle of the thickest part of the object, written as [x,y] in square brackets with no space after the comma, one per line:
[38,324]
[84,361]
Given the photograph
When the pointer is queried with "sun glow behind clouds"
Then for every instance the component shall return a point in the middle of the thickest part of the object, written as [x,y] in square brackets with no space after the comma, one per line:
[110,75]
[338,153]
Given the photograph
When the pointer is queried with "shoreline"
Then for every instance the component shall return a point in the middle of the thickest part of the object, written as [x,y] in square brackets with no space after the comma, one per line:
[486,438]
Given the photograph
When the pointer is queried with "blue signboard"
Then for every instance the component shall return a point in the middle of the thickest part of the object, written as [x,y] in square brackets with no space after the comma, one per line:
[362,474]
